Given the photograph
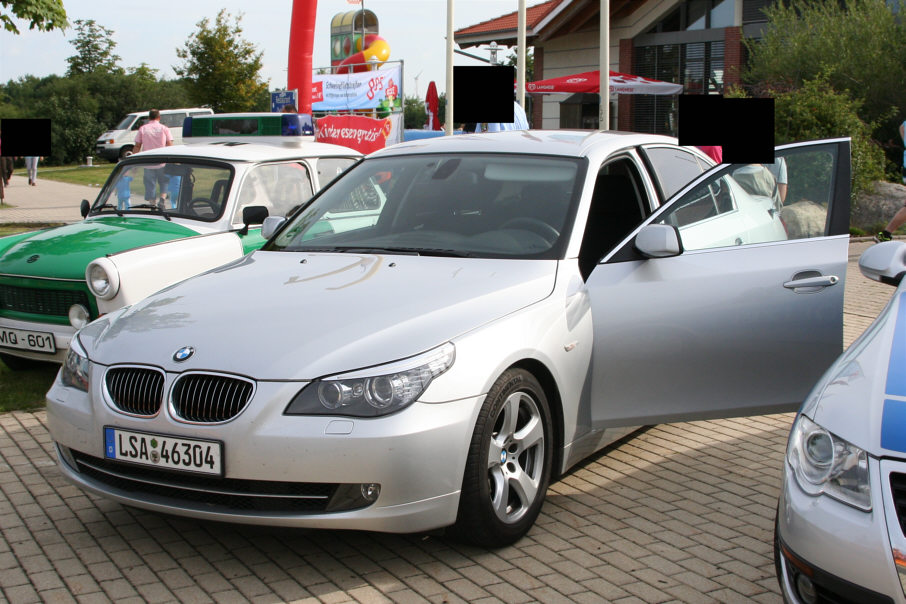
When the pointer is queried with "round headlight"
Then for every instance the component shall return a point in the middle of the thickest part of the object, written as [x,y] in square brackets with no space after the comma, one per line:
[78,316]
[103,278]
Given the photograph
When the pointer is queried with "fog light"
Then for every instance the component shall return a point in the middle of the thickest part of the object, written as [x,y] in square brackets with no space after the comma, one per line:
[78,316]
[806,589]
[370,492]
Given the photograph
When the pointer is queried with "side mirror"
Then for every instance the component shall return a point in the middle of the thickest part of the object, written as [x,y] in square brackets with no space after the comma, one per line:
[884,262]
[659,241]
[84,208]
[271,225]
[252,215]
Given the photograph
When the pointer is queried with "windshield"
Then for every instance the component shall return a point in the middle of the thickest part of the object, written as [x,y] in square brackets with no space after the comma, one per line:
[127,121]
[190,190]
[477,205]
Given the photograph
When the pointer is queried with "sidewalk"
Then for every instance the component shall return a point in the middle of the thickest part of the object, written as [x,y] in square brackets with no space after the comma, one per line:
[48,201]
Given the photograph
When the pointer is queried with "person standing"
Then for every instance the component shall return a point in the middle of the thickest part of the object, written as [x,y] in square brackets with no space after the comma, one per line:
[153,135]
[31,166]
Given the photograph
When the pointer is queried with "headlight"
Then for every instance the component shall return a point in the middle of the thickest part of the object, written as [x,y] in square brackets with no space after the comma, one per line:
[375,391]
[74,372]
[824,463]
[103,278]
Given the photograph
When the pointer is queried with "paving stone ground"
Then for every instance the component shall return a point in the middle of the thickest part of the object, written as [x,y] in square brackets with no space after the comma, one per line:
[677,513]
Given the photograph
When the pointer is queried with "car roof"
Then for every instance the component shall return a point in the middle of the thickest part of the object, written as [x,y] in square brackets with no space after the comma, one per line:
[240,151]
[571,143]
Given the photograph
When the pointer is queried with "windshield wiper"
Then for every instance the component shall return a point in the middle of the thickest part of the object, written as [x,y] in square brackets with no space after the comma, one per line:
[370,249]
[118,211]
[153,207]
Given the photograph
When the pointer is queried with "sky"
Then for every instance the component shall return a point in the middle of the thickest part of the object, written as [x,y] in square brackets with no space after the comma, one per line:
[150,32]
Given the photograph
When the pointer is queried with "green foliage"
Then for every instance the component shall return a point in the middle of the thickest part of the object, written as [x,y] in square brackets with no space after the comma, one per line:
[529,63]
[414,114]
[43,15]
[94,49]
[815,110]
[858,48]
[83,106]
[221,69]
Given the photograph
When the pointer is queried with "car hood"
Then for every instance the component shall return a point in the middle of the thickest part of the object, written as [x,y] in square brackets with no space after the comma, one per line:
[299,316]
[862,397]
[64,252]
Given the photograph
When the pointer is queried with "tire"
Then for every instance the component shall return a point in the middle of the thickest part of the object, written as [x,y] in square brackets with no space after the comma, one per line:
[18,363]
[125,152]
[509,464]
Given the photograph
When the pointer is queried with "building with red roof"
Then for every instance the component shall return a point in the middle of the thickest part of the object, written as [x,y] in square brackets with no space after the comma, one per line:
[696,43]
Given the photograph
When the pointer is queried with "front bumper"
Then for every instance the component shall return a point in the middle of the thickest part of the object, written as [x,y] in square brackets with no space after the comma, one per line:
[417,456]
[62,335]
[845,553]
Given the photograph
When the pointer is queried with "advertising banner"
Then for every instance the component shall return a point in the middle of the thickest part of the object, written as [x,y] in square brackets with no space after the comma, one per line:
[358,132]
[379,89]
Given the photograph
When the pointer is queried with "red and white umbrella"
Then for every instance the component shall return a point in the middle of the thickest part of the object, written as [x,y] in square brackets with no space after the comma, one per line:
[590,81]
[431,108]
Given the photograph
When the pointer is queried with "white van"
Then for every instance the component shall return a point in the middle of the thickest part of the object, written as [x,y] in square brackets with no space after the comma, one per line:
[118,143]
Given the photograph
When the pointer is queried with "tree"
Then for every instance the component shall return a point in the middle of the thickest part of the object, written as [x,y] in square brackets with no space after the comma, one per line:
[43,15]
[529,63]
[414,114]
[221,69]
[859,46]
[94,49]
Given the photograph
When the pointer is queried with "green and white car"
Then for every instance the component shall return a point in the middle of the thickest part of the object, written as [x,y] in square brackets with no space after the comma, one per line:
[162,216]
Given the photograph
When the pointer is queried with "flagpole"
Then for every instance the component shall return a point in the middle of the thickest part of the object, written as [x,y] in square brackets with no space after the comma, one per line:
[604,89]
[448,113]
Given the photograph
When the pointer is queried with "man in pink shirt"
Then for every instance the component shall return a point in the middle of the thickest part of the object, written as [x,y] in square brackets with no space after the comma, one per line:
[153,135]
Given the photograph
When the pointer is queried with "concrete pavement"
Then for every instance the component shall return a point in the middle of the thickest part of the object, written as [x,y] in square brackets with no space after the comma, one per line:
[678,513]
[48,201]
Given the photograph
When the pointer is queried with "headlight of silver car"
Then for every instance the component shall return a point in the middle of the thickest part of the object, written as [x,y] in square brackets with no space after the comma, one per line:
[103,278]
[375,391]
[74,372]
[824,463]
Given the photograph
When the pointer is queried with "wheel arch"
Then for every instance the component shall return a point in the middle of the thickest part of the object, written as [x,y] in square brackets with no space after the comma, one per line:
[555,404]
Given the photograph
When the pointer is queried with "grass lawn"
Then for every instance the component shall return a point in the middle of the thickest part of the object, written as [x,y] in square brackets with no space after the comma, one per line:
[76,175]
[13,227]
[25,389]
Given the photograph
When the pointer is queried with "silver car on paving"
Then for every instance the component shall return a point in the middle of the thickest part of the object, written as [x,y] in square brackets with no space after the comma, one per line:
[841,520]
[455,322]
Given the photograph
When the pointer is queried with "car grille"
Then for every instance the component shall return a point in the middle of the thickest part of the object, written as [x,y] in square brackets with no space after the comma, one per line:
[55,302]
[229,494]
[136,390]
[206,398]
[898,489]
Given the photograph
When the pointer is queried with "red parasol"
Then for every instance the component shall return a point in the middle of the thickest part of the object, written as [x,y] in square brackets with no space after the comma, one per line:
[590,81]
[431,106]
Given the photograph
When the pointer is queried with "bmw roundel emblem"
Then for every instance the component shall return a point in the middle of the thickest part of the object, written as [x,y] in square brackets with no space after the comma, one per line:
[183,353]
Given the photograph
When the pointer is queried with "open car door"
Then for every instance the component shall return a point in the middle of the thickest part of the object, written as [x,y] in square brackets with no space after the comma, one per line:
[746,313]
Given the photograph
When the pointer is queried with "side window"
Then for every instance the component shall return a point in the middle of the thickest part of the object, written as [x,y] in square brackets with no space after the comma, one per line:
[758,203]
[140,122]
[673,168]
[331,167]
[172,120]
[618,205]
[281,188]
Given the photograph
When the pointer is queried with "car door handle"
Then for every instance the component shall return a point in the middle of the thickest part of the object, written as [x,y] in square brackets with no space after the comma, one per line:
[812,282]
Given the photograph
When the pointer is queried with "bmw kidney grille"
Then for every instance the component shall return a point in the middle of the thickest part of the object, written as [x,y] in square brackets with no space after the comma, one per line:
[207,398]
[136,390]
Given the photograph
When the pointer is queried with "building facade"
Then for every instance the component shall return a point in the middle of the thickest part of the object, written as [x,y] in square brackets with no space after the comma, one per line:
[696,43]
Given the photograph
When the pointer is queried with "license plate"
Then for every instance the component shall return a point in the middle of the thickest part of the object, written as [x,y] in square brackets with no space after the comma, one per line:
[37,341]
[163,451]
